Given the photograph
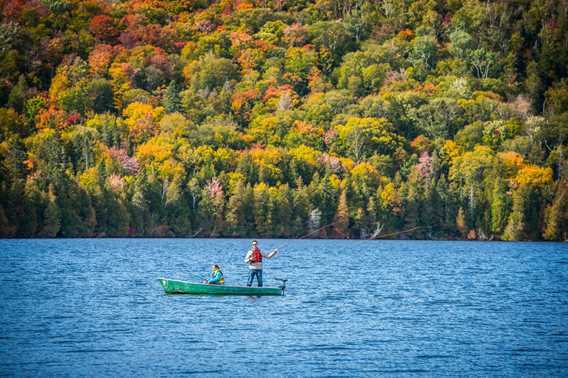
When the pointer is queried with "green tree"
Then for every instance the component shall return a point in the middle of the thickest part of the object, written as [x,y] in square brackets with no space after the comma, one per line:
[441,118]
[499,206]
[51,216]
[262,210]
[237,209]
[298,65]
[172,100]
[210,72]
[515,229]
[332,36]
[18,94]
[556,215]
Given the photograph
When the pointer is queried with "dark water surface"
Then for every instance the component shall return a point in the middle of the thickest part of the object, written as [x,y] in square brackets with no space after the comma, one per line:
[353,308]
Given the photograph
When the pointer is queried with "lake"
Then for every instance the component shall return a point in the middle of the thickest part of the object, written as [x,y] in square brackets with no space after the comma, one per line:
[94,307]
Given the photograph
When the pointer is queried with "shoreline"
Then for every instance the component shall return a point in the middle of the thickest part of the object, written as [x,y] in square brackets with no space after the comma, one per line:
[275,238]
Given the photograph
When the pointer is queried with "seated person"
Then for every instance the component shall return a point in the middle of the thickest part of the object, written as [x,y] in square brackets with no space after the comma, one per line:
[216,277]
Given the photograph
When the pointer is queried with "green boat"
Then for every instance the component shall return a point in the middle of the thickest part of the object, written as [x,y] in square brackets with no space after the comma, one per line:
[183,287]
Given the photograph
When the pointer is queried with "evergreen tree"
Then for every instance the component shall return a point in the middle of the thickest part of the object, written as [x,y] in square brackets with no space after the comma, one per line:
[69,203]
[177,211]
[33,208]
[301,213]
[262,210]
[18,94]
[7,228]
[445,208]
[172,100]
[51,216]
[236,209]
[556,215]
[412,204]
[140,220]
[328,197]
[499,206]
[515,229]
[281,205]
[118,219]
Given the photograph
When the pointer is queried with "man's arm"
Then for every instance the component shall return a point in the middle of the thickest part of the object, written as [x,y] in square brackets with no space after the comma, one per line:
[270,254]
[247,257]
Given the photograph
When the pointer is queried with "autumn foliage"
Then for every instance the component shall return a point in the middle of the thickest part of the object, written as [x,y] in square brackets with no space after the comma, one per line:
[421,119]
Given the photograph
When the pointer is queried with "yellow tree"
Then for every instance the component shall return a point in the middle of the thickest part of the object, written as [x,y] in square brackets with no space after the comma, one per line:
[525,214]
[142,121]
[361,137]
[341,219]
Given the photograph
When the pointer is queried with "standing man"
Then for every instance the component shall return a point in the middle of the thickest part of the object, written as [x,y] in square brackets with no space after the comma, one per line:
[254,261]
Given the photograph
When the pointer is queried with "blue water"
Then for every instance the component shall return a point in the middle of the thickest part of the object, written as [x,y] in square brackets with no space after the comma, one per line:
[353,309]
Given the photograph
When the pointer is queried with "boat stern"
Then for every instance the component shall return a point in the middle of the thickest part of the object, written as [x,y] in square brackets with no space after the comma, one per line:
[283,286]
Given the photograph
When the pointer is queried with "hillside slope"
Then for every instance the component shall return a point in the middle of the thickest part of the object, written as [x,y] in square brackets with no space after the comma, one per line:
[422,119]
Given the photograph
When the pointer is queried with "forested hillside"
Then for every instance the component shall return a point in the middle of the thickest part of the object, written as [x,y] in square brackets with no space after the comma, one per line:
[421,119]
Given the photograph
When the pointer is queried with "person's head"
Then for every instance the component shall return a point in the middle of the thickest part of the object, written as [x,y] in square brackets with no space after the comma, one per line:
[254,243]
[215,267]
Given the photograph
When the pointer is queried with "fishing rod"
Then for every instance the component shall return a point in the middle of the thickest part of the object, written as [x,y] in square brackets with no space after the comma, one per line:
[304,236]
[316,230]
[401,232]
[195,276]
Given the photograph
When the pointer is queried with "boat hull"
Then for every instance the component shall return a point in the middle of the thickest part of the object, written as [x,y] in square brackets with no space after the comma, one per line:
[183,287]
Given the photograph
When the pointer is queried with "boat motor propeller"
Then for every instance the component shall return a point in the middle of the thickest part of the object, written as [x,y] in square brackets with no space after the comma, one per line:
[283,280]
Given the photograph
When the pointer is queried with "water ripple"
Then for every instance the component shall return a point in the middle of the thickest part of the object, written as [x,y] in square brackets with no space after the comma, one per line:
[353,309]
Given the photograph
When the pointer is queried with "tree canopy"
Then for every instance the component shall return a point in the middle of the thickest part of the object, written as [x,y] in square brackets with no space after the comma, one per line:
[423,119]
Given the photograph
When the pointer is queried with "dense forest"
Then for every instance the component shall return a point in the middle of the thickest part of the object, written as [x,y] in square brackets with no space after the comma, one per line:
[343,118]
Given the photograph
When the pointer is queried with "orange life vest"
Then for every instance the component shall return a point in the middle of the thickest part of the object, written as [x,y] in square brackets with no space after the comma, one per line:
[256,256]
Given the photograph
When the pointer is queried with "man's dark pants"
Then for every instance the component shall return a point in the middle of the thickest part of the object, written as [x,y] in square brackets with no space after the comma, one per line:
[255,273]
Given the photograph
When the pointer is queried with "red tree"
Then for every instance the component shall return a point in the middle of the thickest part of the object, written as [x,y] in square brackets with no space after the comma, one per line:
[102,26]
